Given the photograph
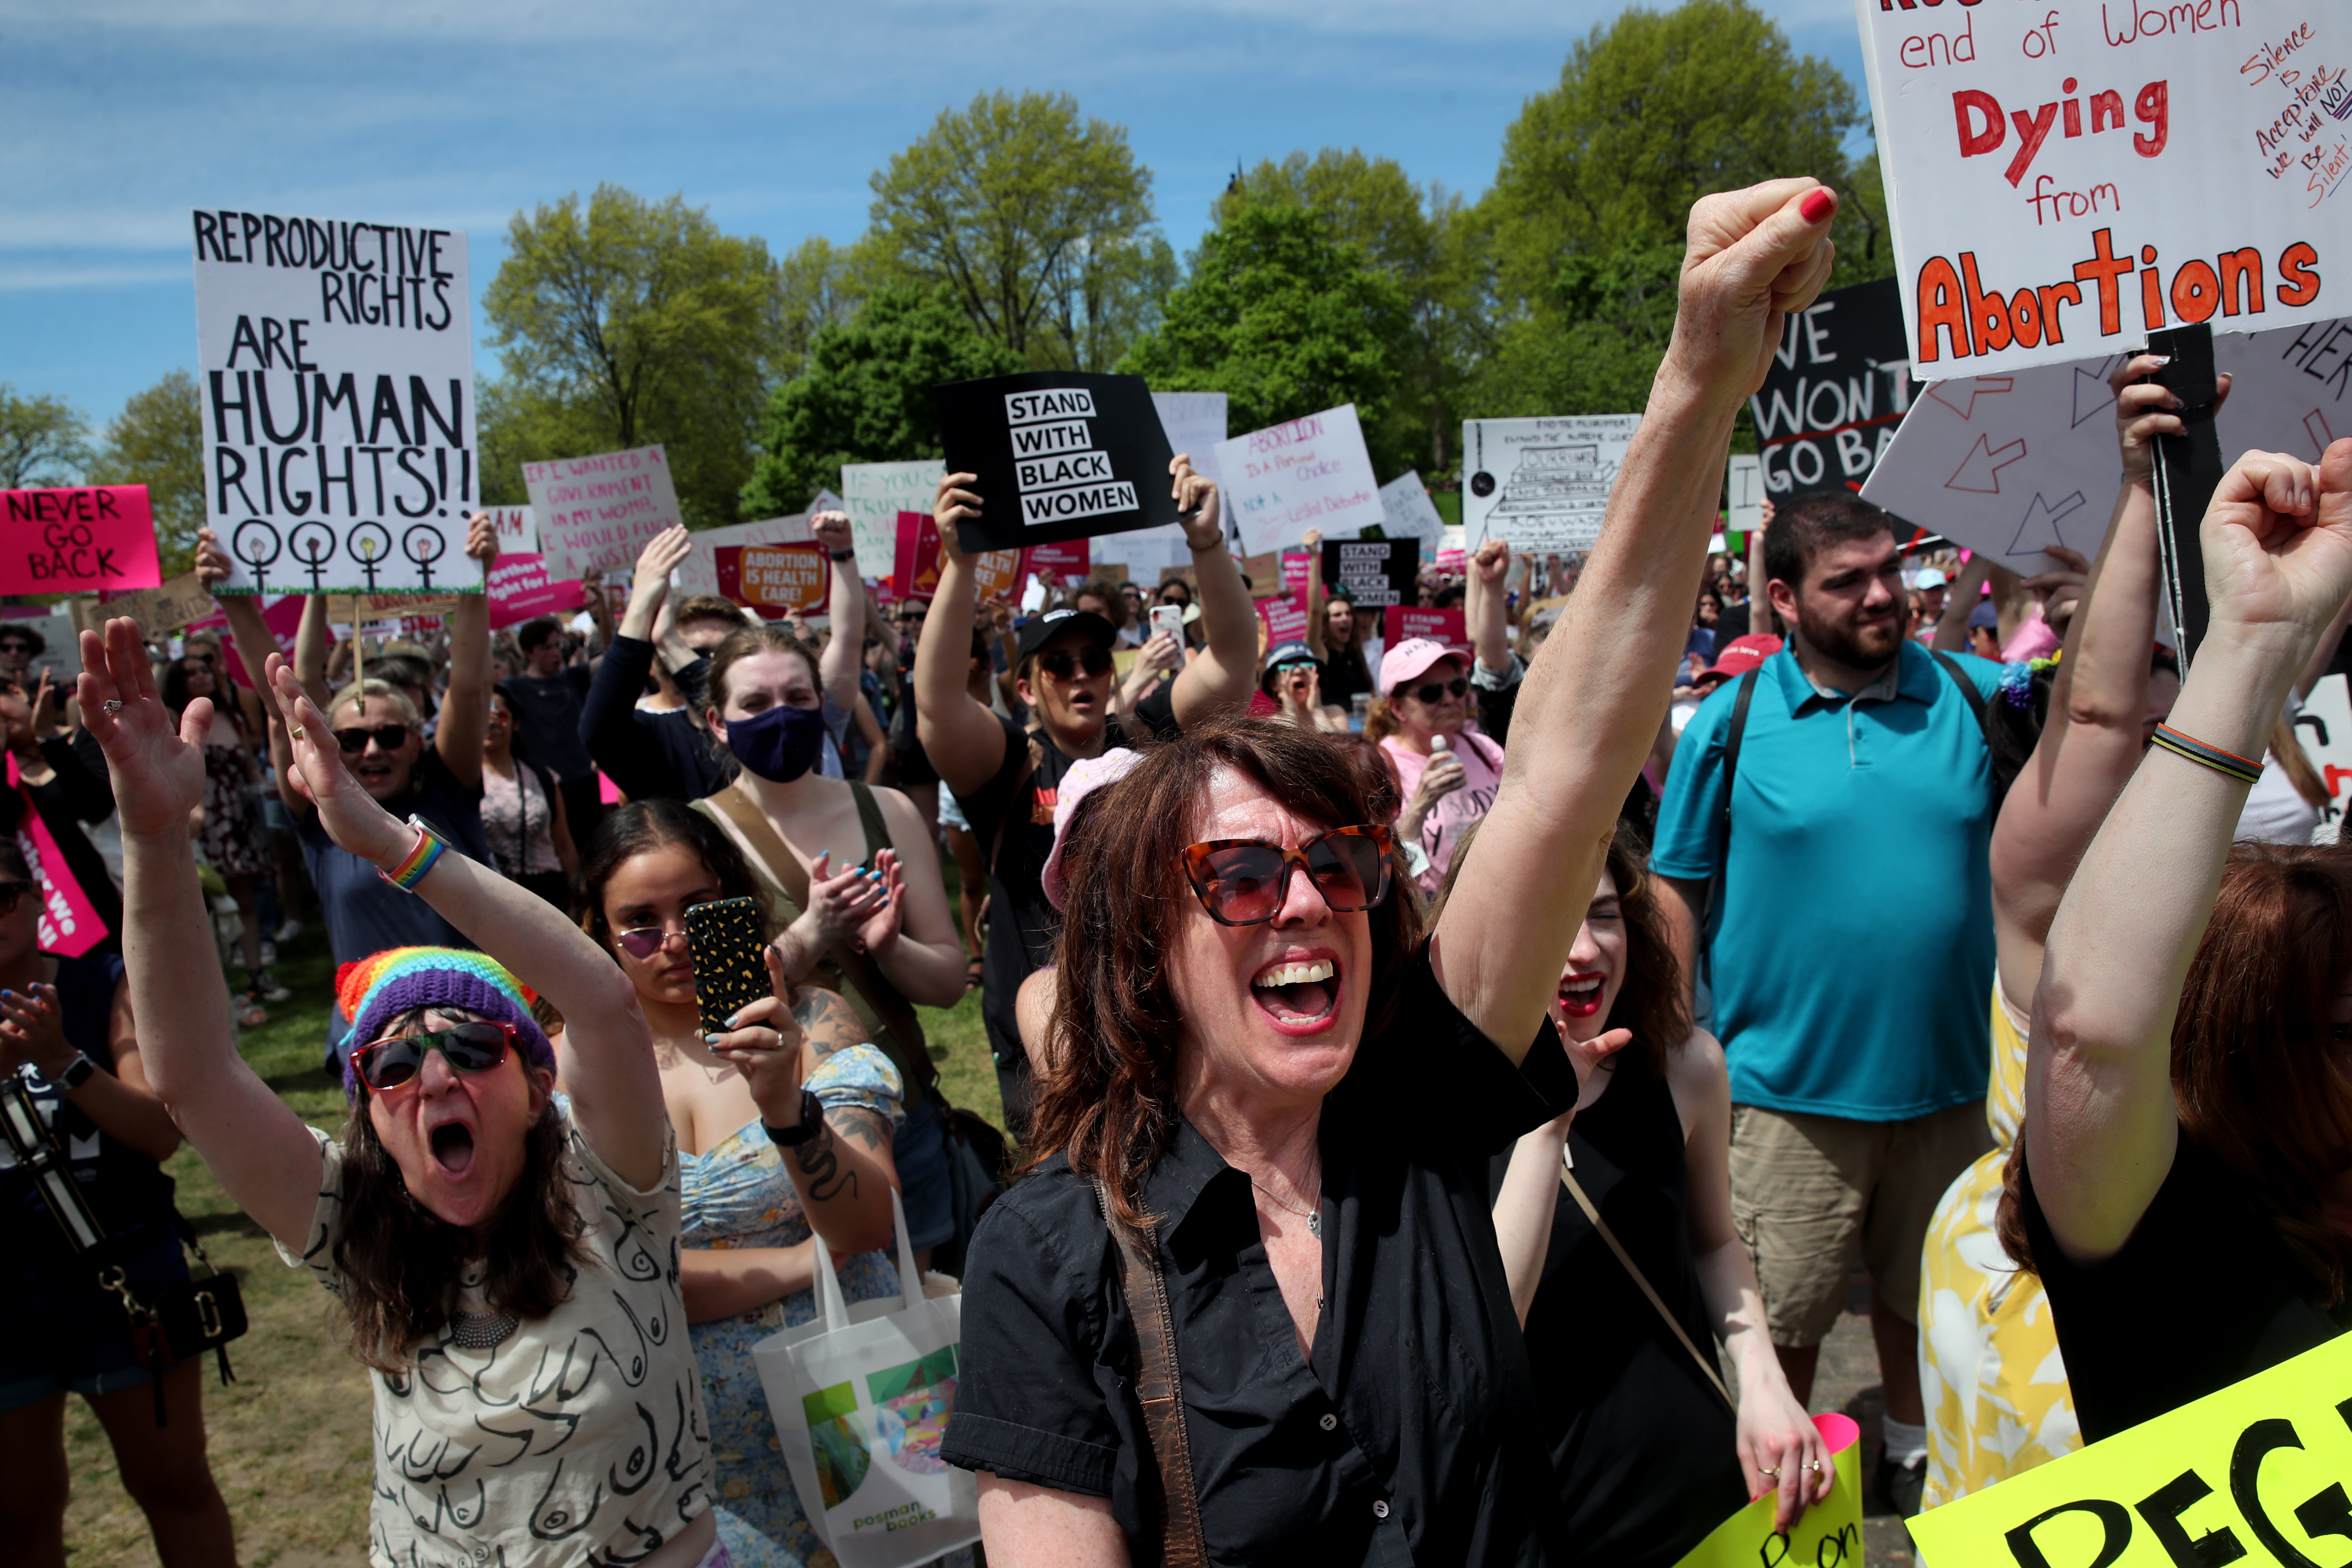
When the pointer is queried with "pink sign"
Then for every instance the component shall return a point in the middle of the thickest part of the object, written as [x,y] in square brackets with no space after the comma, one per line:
[520,590]
[917,569]
[1286,619]
[68,922]
[74,541]
[1294,574]
[1441,625]
[1067,560]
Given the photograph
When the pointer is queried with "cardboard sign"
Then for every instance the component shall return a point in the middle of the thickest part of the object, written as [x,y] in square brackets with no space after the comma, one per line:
[698,573]
[1828,1535]
[1407,513]
[166,607]
[352,609]
[1447,627]
[1265,575]
[2254,1473]
[1285,616]
[1833,392]
[336,368]
[1376,573]
[76,540]
[1309,473]
[1743,489]
[874,494]
[1058,455]
[774,578]
[595,514]
[1541,485]
[2061,184]
[520,590]
[2009,463]
[518,528]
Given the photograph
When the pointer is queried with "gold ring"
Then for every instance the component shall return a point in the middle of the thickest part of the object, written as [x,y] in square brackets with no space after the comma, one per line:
[1771,1475]
[1812,1464]
[296,732]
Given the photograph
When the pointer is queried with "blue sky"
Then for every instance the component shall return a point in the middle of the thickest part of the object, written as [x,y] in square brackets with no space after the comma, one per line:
[118,116]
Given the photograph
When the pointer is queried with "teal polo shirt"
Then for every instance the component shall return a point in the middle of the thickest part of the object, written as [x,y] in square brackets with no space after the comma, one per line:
[1850,945]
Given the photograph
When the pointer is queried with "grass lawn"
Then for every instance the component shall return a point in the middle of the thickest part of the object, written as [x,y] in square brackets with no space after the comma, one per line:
[289,1437]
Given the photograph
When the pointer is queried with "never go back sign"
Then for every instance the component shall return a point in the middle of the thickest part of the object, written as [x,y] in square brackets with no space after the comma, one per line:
[2067,175]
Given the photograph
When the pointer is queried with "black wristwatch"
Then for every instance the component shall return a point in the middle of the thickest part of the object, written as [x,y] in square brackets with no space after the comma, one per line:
[77,1074]
[849,555]
[811,1122]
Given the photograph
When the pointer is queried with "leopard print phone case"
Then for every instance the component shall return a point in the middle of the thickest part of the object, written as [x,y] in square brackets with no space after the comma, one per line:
[730,972]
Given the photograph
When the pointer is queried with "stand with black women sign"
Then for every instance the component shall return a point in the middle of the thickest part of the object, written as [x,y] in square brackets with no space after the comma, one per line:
[1056,455]
[2188,468]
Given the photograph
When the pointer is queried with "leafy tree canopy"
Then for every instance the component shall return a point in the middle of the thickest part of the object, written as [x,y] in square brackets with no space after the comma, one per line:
[158,440]
[43,440]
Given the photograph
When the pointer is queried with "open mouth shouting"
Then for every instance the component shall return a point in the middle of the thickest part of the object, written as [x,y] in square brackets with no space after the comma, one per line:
[452,1148]
[1299,994]
[1581,995]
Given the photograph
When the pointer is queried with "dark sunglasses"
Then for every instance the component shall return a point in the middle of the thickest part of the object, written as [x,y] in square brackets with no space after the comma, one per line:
[390,737]
[10,893]
[644,942]
[476,1045]
[1431,691]
[1246,882]
[1061,663]
[13,649]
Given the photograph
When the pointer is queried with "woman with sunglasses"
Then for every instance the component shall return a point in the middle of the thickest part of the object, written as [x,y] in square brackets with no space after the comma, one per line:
[1260,1149]
[756,1208]
[477,1231]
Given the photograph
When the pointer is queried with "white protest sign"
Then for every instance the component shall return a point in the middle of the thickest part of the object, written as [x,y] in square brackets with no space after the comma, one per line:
[1541,485]
[596,513]
[698,573]
[874,494]
[1743,489]
[1308,473]
[1407,513]
[518,528]
[2064,179]
[336,364]
[1195,424]
[2009,463]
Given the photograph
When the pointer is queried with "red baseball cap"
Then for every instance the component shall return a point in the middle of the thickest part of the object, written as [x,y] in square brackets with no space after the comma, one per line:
[1737,656]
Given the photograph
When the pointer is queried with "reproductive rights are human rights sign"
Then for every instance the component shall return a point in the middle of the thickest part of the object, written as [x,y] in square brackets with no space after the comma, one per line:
[1057,454]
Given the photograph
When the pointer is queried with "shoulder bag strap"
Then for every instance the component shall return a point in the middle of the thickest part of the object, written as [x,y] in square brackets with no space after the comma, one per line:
[1159,1387]
[1568,1180]
[1967,690]
[38,1151]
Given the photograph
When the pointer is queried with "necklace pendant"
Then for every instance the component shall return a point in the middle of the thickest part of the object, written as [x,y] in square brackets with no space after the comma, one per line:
[1314,1225]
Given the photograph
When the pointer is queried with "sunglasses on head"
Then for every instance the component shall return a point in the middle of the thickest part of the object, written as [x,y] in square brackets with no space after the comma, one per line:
[475,1046]
[1062,663]
[1432,690]
[389,737]
[1247,881]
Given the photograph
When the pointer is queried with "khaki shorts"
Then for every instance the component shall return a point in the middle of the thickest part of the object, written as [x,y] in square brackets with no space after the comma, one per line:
[1810,1192]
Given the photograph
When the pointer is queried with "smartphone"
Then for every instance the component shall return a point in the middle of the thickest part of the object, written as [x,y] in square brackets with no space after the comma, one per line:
[730,971]
[1169,618]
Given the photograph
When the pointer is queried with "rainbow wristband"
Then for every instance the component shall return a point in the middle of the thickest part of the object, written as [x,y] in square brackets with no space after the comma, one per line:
[2214,757]
[417,861]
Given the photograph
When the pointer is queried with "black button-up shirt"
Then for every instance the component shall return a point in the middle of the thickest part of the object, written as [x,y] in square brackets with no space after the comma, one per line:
[1410,1433]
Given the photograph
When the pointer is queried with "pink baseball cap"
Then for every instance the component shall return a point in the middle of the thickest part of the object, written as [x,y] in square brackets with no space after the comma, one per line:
[1410,658]
[1085,777]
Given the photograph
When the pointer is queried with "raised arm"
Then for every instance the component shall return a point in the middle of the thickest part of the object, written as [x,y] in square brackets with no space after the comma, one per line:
[1486,608]
[1223,677]
[1968,588]
[2090,741]
[1590,705]
[466,715]
[843,659]
[1315,597]
[260,1151]
[961,737]
[314,641]
[606,1060]
[2100,1125]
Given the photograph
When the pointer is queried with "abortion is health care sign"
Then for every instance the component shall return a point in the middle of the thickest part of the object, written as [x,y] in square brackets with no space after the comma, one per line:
[1057,454]
[2067,175]
[335,364]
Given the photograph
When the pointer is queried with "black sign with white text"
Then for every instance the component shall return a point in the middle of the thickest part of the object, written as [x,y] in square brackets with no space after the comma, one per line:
[1058,455]
[1376,573]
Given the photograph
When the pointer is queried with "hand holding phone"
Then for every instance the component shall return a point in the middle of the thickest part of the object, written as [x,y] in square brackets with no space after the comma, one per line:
[1169,619]
[730,969]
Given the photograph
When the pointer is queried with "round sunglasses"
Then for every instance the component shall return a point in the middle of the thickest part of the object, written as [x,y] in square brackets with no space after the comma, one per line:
[1247,881]
[475,1046]
[1434,691]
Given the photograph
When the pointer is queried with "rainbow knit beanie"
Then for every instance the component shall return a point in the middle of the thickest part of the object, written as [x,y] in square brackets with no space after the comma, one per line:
[378,988]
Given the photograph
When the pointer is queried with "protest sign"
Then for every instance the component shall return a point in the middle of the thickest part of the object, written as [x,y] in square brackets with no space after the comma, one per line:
[518,528]
[1541,485]
[1834,389]
[1828,1535]
[1309,473]
[698,573]
[1285,616]
[1376,573]
[596,513]
[353,608]
[520,589]
[2060,185]
[336,364]
[1057,454]
[1067,560]
[2252,1473]
[165,607]
[874,494]
[1743,489]
[1295,567]
[1111,572]
[1265,574]
[998,572]
[77,540]
[1441,625]
[774,578]
[915,575]
[2009,464]
[1194,424]
[1407,513]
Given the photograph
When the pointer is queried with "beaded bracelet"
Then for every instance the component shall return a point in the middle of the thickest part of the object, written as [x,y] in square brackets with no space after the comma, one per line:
[417,861]
[2214,757]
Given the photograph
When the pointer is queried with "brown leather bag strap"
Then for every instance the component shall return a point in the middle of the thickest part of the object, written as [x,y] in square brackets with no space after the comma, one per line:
[1159,1388]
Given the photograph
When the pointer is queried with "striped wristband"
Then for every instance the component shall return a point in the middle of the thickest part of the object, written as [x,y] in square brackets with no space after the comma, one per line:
[2214,757]
[417,861]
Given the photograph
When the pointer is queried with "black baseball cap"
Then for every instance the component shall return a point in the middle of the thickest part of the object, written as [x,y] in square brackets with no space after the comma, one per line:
[1038,630]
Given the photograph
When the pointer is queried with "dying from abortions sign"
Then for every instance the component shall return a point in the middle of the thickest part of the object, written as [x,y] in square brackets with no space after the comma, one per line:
[2067,175]
[336,372]
[1058,455]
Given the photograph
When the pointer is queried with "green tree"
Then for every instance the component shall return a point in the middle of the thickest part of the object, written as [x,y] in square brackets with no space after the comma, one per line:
[866,395]
[43,440]
[1284,321]
[1040,223]
[1594,347]
[158,440]
[819,284]
[626,322]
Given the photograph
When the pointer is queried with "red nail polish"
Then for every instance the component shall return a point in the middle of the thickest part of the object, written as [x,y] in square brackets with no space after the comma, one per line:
[1817,204]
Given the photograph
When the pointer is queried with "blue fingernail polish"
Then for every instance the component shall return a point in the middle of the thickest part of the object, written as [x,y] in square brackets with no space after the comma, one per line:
[712,1039]
[734,1020]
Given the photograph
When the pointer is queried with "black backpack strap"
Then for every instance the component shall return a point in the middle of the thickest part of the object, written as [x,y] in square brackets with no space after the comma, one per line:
[1967,690]
[1731,738]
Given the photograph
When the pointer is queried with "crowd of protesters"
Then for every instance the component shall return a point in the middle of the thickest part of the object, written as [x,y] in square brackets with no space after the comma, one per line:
[1839,904]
